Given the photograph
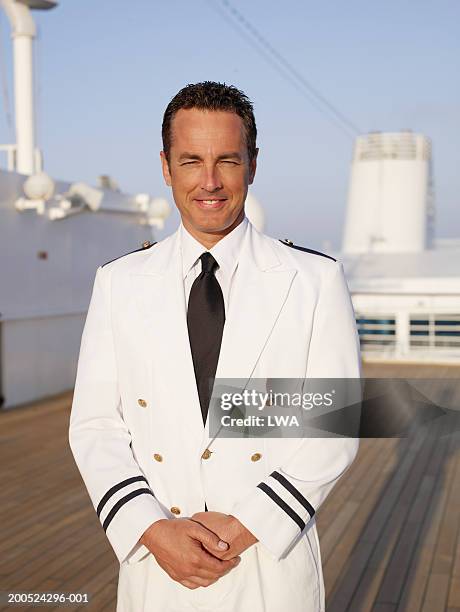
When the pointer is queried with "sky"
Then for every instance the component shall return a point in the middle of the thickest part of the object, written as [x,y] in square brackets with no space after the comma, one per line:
[107,70]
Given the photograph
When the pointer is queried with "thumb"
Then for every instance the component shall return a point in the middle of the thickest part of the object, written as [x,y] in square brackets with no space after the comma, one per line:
[211,540]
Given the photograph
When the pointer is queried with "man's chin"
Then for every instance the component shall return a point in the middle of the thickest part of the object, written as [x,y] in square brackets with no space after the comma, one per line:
[213,224]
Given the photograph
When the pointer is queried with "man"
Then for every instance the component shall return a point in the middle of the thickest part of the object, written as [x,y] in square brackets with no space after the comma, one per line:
[202,522]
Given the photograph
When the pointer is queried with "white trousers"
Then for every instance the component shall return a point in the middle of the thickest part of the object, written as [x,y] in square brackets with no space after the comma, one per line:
[257,584]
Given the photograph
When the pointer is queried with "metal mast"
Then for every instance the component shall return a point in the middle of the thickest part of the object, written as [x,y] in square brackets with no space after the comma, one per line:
[23,32]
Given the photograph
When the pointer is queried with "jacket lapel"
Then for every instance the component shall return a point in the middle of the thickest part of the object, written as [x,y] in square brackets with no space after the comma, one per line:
[260,289]
[161,305]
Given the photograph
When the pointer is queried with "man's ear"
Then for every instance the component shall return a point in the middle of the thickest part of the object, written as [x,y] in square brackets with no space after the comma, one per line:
[253,167]
[165,168]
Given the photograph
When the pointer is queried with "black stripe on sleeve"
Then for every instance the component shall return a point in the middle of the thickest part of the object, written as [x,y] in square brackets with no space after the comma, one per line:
[115,488]
[121,502]
[294,492]
[282,504]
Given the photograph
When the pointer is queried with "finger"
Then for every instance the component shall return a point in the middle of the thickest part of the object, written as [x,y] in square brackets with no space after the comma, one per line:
[231,554]
[221,567]
[189,584]
[206,565]
[219,553]
[210,540]
[199,571]
[202,582]
[236,562]
[215,564]
[230,560]
[203,560]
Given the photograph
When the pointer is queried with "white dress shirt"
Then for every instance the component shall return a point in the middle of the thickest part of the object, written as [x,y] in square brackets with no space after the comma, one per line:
[226,252]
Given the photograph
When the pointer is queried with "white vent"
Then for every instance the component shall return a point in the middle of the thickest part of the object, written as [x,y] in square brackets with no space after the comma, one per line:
[402,145]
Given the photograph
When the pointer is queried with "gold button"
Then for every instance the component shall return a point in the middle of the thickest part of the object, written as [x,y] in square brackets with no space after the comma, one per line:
[175,510]
[157,457]
[146,244]
[142,403]
[287,241]
[207,453]
[256,457]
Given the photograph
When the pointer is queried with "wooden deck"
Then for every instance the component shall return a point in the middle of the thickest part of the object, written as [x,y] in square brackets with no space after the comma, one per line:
[389,530]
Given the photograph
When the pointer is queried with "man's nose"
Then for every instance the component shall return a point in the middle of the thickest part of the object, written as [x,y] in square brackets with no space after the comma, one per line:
[211,180]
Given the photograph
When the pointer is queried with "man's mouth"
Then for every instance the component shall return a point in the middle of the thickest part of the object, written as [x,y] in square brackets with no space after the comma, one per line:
[211,203]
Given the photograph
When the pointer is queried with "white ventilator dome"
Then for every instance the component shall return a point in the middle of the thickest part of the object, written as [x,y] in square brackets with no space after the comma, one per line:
[39,186]
[390,202]
[254,212]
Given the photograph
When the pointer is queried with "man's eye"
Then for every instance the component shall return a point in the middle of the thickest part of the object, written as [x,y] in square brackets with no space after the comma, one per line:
[229,161]
[188,163]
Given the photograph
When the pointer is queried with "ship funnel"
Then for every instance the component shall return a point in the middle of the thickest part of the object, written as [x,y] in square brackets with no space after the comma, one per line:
[390,201]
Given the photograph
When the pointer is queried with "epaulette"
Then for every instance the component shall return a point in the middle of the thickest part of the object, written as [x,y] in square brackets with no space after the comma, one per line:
[289,243]
[145,245]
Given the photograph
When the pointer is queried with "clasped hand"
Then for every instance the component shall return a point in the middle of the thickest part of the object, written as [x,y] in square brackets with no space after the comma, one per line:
[197,551]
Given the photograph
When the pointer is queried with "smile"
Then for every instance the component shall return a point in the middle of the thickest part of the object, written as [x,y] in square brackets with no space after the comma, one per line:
[210,204]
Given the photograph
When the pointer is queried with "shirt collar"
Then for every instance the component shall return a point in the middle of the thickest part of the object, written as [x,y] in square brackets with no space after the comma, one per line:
[226,251]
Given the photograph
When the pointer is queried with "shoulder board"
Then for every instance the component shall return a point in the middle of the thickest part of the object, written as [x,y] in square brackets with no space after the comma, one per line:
[289,243]
[145,245]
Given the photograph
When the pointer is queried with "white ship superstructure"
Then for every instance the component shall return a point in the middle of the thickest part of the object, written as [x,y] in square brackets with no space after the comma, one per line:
[53,237]
[405,284]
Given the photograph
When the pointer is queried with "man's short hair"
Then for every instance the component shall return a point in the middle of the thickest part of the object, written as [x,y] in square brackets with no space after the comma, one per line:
[212,96]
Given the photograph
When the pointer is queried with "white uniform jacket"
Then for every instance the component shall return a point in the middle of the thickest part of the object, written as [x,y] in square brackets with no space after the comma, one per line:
[137,434]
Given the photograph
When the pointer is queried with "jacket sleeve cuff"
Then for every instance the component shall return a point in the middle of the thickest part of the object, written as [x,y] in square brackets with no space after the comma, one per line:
[125,521]
[273,515]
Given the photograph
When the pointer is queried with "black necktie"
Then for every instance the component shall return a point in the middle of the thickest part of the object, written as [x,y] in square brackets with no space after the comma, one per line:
[205,321]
